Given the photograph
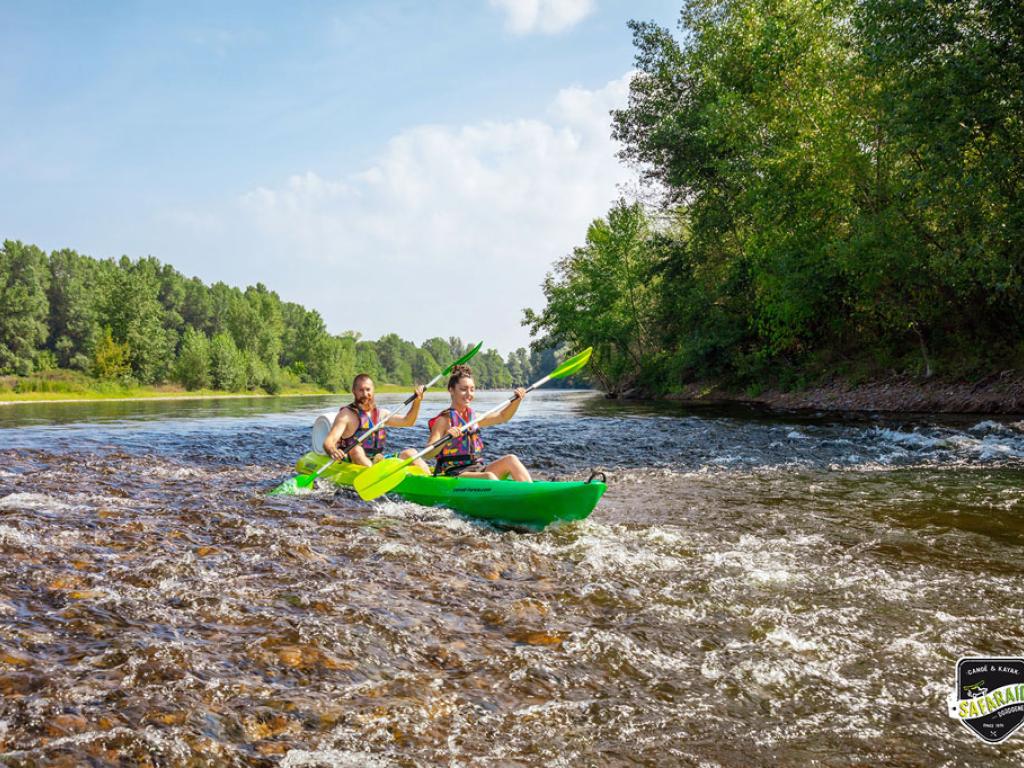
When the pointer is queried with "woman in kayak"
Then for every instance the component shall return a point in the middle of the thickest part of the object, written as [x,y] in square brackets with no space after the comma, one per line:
[463,455]
[359,417]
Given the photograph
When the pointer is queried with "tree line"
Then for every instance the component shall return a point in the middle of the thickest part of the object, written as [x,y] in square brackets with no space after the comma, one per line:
[837,190]
[140,321]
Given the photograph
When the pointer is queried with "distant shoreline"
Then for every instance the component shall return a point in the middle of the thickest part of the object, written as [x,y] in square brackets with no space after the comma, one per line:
[101,399]
[58,398]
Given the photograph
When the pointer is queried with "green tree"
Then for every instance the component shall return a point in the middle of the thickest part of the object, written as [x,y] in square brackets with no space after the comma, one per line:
[269,323]
[222,298]
[518,365]
[197,307]
[367,361]
[257,373]
[133,311]
[242,321]
[457,347]
[841,179]
[396,356]
[424,366]
[758,146]
[72,298]
[111,360]
[938,253]
[293,319]
[345,352]
[308,340]
[604,295]
[227,364]
[23,283]
[490,371]
[171,295]
[325,360]
[439,349]
[193,367]
[332,362]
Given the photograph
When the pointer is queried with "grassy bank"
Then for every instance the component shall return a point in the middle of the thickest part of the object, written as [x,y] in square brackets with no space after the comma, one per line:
[74,386]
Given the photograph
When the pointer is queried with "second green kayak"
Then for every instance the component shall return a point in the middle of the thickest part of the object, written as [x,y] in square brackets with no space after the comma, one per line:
[504,502]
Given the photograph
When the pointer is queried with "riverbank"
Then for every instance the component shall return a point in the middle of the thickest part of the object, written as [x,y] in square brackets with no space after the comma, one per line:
[55,397]
[163,393]
[998,393]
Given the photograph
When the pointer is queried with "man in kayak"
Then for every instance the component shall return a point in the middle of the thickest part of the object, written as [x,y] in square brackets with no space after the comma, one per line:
[361,416]
[463,455]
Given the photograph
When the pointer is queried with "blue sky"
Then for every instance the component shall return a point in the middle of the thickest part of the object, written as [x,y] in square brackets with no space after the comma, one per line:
[398,166]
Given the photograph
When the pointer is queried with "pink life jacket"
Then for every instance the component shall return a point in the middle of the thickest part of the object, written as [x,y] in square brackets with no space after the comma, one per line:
[462,452]
[367,421]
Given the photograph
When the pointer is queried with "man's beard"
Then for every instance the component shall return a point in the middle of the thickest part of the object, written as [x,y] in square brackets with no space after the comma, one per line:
[365,403]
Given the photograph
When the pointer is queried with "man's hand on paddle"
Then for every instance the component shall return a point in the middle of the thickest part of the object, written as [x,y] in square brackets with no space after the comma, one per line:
[409,419]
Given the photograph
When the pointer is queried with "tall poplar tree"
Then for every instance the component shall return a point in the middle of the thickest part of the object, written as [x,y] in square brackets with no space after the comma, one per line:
[23,306]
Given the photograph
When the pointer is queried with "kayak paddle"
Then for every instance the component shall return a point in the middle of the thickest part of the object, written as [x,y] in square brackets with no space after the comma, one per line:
[305,481]
[386,475]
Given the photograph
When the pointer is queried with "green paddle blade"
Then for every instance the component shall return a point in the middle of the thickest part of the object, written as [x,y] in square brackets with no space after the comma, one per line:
[464,359]
[572,365]
[380,478]
[289,487]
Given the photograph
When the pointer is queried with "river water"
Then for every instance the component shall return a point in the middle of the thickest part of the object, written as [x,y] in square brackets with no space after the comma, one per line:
[752,590]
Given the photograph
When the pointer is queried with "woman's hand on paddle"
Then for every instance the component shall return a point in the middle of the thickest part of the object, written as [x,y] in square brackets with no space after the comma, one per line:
[507,412]
[418,392]
[511,408]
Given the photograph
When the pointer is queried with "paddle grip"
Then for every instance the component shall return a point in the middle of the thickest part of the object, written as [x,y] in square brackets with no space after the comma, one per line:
[441,441]
[412,397]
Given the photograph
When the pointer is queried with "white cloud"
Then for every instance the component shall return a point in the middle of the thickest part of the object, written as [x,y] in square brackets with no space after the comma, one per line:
[546,16]
[449,232]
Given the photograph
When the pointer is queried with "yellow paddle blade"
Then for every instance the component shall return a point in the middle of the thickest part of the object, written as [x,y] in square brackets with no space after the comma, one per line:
[381,478]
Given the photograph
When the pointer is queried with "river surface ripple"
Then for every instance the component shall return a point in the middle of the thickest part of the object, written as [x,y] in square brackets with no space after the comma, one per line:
[752,590]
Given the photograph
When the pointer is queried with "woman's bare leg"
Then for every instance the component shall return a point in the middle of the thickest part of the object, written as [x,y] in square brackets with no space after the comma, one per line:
[479,475]
[509,465]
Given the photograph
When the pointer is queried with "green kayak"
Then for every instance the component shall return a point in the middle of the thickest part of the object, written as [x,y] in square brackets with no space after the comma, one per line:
[504,502]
